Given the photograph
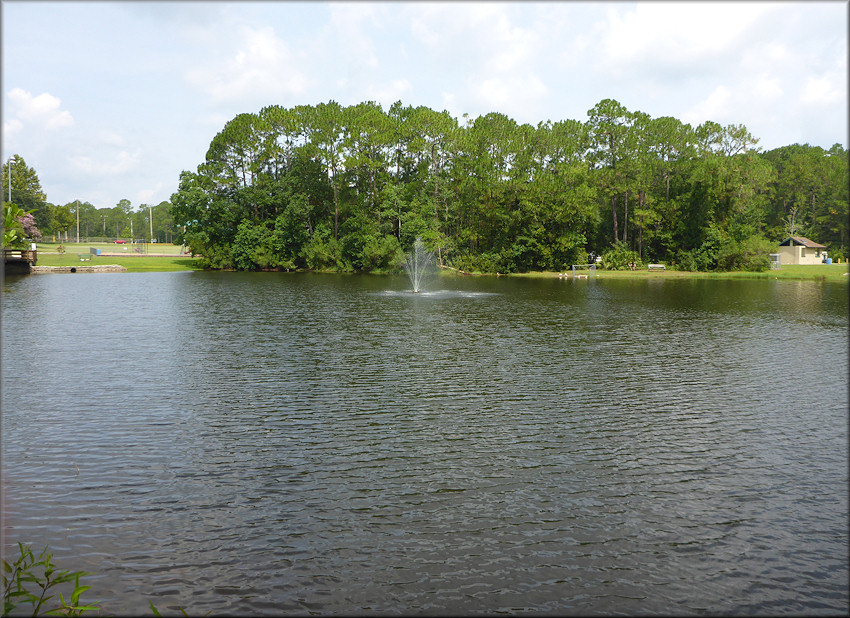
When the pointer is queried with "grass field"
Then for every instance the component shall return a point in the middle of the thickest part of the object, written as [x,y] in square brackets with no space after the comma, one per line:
[160,257]
[108,247]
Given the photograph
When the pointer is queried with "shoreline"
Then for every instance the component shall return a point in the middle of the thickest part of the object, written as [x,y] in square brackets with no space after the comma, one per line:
[96,268]
[173,261]
[789,274]
[841,278]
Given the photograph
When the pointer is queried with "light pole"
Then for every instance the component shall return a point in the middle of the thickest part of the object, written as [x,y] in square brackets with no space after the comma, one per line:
[150,211]
[11,160]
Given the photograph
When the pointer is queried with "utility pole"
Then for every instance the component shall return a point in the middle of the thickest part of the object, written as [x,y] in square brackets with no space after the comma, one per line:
[150,212]
[78,222]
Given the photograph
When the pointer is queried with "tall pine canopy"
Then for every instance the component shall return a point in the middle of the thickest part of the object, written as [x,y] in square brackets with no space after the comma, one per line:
[351,188]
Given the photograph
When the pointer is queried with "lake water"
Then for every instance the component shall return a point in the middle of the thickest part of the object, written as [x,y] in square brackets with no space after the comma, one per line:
[274,443]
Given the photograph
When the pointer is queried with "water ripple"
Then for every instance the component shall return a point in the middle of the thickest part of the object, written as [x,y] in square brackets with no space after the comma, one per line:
[273,444]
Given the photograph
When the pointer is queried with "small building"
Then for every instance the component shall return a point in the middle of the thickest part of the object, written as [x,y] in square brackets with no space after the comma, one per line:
[801,250]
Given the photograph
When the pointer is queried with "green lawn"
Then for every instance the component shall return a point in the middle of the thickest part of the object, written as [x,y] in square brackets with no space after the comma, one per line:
[154,260]
[108,247]
[815,272]
[135,262]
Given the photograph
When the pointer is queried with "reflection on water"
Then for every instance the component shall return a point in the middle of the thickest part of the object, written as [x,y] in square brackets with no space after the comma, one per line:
[281,443]
[434,293]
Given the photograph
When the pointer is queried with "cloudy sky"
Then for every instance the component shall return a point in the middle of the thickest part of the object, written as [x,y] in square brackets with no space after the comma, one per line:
[112,100]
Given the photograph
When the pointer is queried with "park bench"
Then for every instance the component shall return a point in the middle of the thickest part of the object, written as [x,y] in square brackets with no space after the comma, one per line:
[657,267]
[84,257]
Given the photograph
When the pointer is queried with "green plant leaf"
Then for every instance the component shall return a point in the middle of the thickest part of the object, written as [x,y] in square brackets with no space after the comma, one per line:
[78,590]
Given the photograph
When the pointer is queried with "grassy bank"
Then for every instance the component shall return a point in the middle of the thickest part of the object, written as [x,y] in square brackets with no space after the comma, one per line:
[815,272]
[167,257]
[160,257]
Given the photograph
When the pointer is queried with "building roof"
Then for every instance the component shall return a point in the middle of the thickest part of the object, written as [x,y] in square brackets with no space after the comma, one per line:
[792,241]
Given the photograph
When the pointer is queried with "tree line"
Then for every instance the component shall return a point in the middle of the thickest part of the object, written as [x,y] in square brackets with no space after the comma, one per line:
[350,188]
[331,187]
[59,223]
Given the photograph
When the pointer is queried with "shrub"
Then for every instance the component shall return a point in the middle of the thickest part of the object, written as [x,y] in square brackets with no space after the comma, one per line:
[687,260]
[27,221]
[756,252]
[217,256]
[717,251]
[720,252]
[482,263]
[13,230]
[27,582]
[729,256]
[323,252]
[381,253]
[619,256]
[255,246]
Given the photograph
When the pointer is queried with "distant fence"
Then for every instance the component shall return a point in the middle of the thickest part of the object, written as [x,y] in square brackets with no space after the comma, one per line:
[48,239]
[60,238]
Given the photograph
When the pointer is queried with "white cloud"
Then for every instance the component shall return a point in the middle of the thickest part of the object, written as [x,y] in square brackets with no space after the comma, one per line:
[146,196]
[350,30]
[423,27]
[676,32]
[450,104]
[215,120]
[513,95]
[766,87]
[482,35]
[444,26]
[506,47]
[120,163]
[262,68]
[44,110]
[12,126]
[110,138]
[823,90]
[775,52]
[388,93]
[492,51]
[714,107]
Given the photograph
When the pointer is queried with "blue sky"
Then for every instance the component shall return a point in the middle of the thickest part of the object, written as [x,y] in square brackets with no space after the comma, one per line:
[112,100]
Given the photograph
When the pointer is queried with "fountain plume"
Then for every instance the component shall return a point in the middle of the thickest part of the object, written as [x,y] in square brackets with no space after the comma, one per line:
[417,264]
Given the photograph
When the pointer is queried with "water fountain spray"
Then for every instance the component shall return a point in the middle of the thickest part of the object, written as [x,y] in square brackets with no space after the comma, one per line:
[416,264]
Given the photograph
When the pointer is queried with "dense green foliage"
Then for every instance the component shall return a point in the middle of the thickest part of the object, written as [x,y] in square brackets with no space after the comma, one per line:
[350,188]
